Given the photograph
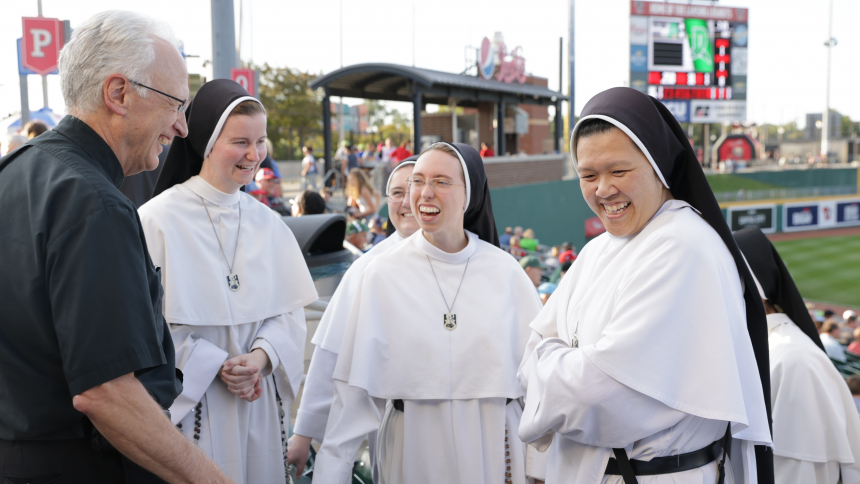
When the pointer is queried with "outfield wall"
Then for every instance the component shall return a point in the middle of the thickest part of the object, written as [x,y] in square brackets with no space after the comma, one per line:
[818,177]
[796,215]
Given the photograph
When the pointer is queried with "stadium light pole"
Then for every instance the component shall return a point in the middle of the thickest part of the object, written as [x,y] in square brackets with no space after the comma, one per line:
[825,116]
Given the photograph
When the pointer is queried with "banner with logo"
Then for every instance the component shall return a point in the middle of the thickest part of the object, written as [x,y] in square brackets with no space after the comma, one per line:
[761,216]
[822,214]
[800,216]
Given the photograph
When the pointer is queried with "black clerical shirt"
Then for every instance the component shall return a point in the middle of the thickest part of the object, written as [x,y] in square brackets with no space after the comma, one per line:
[80,301]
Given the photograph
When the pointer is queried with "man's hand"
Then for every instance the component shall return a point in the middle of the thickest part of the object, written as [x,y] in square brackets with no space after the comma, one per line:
[242,374]
[298,448]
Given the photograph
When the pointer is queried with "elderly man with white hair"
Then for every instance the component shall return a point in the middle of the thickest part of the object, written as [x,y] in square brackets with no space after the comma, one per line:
[87,364]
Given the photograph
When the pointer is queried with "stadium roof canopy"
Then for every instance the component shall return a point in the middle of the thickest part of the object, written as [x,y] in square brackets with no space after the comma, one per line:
[393,82]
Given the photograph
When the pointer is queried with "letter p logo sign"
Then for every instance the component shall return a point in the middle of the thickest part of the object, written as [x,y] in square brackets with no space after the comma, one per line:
[41,38]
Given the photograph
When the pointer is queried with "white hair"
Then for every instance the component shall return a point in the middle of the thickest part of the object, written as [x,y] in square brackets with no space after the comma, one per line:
[111,42]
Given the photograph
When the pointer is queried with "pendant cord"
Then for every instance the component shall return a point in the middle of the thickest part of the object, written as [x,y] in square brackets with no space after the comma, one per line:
[238,231]
[440,286]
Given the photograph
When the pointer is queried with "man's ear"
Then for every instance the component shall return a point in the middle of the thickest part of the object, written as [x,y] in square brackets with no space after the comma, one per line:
[116,91]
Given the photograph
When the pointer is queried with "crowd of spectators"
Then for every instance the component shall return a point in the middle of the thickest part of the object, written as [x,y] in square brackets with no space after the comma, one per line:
[838,335]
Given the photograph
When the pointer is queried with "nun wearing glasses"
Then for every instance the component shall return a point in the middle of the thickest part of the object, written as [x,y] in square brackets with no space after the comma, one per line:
[319,386]
[235,283]
[650,361]
[431,349]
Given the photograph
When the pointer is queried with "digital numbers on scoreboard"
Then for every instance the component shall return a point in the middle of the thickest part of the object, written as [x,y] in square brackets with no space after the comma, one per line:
[690,53]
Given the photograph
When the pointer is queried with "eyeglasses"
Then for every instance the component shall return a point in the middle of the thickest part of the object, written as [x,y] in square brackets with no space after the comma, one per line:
[397,194]
[181,101]
[438,185]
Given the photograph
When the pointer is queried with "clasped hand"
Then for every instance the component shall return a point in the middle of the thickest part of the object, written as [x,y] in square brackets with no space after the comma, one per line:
[242,374]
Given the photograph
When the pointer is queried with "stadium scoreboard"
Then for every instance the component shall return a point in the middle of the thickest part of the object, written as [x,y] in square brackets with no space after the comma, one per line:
[693,58]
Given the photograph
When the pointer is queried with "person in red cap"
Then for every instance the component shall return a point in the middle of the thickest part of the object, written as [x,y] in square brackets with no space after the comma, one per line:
[268,184]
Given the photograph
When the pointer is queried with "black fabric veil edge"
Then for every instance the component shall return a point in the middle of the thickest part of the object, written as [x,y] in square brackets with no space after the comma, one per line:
[775,280]
[687,182]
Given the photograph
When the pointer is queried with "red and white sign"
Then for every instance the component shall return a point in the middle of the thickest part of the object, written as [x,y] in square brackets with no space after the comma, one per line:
[246,78]
[41,44]
[705,12]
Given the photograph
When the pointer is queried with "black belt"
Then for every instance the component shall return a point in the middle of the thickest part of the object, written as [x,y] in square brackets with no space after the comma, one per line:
[398,404]
[629,468]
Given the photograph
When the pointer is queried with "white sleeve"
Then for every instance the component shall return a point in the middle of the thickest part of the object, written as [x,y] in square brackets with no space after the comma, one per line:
[569,395]
[354,414]
[283,339]
[199,360]
[317,395]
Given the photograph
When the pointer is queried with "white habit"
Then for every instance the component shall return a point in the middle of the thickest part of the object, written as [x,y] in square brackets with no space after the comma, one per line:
[816,429]
[454,383]
[663,359]
[210,324]
[319,385]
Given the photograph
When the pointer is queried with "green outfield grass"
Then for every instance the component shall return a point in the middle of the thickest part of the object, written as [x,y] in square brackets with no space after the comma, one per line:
[733,183]
[825,269]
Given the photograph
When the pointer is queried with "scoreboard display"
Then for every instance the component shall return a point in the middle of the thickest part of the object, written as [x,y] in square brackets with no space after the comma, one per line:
[691,57]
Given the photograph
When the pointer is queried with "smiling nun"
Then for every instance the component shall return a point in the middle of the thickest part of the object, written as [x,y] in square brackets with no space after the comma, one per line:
[319,386]
[655,341]
[816,429]
[235,283]
[431,348]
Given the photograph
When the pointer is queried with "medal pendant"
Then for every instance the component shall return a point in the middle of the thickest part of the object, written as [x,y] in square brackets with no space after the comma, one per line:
[233,282]
[574,343]
[449,321]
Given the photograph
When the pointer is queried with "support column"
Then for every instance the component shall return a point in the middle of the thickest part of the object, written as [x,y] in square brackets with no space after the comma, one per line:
[223,39]
[326,107]
[500,128]
[25,100]
[417,100]
[452,104]
[559,128]
[706,145]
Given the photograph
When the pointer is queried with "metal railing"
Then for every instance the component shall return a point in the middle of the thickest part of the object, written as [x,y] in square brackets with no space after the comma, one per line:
[783,193]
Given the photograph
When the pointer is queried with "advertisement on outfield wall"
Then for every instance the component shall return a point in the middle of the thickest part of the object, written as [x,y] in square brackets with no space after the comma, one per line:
[823,214]
[761,216]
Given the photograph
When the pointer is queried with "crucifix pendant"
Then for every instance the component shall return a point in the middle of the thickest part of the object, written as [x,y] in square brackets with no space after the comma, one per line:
[449,321]
[233,282]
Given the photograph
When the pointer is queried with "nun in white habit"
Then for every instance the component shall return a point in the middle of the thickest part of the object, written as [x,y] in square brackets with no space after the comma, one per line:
[431,348]
[235,283]
[652,354]
[318,391]
[816,429]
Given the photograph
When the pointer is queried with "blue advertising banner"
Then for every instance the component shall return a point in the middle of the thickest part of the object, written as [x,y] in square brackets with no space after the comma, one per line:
[679,109]
[848,213]
[638,58]
[799,216]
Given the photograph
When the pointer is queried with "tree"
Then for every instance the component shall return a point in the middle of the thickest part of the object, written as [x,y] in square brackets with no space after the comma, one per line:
[294,109]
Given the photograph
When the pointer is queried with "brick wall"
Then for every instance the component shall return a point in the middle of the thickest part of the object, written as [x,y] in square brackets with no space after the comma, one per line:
[437,124]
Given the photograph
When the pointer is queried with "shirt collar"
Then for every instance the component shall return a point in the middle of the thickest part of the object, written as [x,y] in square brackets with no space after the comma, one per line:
[94,145]
[211,194]
[434,252]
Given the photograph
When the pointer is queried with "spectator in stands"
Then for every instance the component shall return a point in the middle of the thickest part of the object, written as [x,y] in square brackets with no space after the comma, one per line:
[564,268]
[326,196]
[270,184]
[350,160]
[829,315]
[568,253]
[486,150]
[505,238]
[854,385]
[545,290]
[356,234]
[518,231]
[829,333]
[402,152]
[309,168]
[362,199]
[528,241]
[552,262]
[34,128]
[849,324]
[307,202]
[377,230]
[854,347]
[534,269]
[515,249]
[13,141]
